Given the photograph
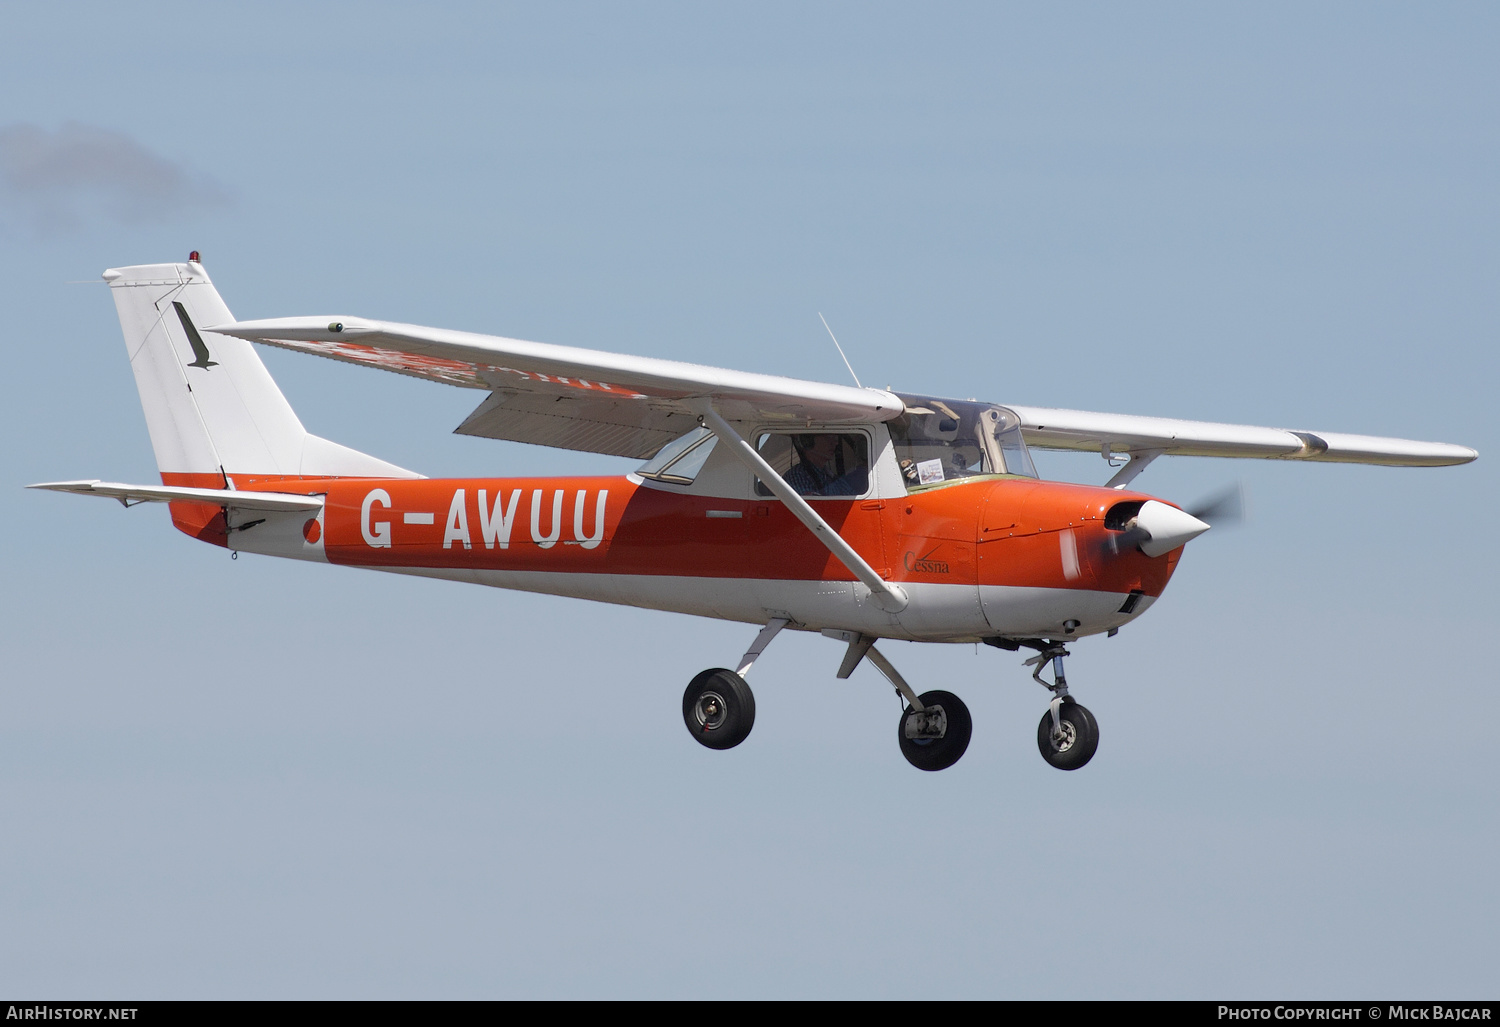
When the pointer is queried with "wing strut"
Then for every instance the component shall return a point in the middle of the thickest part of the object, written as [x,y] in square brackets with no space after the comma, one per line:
[1134,464]
[888,595]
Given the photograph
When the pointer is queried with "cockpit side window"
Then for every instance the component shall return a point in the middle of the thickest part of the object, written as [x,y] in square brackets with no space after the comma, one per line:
[817,463]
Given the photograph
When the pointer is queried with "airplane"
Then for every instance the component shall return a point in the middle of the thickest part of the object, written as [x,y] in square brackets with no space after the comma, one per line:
[860,513]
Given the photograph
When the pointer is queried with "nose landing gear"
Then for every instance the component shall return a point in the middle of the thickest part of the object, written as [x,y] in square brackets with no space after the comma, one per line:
[1068,734]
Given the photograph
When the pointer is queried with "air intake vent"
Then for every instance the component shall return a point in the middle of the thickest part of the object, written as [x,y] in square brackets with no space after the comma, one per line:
[1120,514]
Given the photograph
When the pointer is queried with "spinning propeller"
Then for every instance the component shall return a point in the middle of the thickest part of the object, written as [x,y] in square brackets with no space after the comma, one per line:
[1156,528]
[1224,509]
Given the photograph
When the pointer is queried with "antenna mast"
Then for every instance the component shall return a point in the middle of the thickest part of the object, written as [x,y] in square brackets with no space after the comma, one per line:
[840,349]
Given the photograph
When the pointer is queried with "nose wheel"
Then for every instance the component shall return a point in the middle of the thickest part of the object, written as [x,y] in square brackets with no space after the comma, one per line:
[1069,739]
[718,708]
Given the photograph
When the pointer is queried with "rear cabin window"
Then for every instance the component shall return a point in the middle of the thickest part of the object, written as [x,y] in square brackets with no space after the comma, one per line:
[680,460]
[817,463]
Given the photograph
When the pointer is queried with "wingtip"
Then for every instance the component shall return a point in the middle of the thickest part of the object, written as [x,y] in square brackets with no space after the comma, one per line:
[297,329]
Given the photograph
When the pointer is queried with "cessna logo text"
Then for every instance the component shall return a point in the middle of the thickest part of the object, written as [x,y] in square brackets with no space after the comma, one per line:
[923,565]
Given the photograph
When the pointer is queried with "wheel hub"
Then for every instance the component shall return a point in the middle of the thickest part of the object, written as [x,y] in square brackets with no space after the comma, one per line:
[925,725]
[1064,737]
[710,710]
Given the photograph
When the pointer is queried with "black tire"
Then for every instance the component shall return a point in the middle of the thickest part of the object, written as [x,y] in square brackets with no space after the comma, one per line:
[718,708]
[937,753]
[1080,737]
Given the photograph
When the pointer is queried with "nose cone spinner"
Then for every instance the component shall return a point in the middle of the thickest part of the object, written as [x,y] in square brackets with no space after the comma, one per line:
[1166,526]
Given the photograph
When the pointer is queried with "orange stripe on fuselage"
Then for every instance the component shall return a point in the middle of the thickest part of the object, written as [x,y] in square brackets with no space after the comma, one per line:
[986,531]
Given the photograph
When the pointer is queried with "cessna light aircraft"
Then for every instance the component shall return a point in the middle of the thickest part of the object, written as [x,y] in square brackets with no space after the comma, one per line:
[859,513]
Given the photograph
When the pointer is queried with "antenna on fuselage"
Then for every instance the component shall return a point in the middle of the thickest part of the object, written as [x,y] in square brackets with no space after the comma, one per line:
[840,349]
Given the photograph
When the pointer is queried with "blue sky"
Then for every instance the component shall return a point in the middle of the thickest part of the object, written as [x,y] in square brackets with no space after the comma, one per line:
[262,779]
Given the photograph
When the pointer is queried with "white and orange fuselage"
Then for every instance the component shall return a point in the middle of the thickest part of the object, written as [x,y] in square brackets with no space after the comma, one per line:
[985,557]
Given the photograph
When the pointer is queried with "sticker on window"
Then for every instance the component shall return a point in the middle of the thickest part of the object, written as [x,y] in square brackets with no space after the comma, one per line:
[929,471]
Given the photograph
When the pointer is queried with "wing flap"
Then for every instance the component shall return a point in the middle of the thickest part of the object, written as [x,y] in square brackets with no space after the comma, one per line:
[271,502]
[1092,431]
[617,428]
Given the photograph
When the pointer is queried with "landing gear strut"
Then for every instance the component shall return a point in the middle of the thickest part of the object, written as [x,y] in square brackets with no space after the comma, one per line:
[1068,735]
[935,727]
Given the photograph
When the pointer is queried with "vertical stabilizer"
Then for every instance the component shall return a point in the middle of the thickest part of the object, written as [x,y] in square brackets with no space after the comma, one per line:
[211,407]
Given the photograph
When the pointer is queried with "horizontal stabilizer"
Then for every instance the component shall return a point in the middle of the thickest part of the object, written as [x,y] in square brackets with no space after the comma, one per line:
[128,495]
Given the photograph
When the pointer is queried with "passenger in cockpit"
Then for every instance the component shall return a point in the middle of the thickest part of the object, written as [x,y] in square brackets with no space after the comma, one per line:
[820,469]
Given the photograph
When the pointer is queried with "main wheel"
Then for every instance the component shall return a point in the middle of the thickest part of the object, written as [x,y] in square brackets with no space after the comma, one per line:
[718,708]
[1076,740]
[929,753]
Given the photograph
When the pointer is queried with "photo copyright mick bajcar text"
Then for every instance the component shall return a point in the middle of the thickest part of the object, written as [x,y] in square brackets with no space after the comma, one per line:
[1401,1011]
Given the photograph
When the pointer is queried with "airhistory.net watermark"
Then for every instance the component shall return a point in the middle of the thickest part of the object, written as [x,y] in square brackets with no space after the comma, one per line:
[44,1011]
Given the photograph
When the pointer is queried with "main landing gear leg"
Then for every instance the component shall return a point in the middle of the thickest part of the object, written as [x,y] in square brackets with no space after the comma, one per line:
[935,727]
[718,706]
[1068,735]
[771,630]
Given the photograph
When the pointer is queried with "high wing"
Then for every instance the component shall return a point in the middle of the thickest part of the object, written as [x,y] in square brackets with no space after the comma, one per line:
[567,397]
[1148,437]
[601,402]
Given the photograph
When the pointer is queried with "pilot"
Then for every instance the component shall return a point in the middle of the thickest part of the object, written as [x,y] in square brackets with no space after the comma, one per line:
[820,468]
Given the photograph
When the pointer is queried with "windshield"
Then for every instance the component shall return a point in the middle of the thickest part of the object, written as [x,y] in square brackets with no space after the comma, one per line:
[680,460]
[940,440]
